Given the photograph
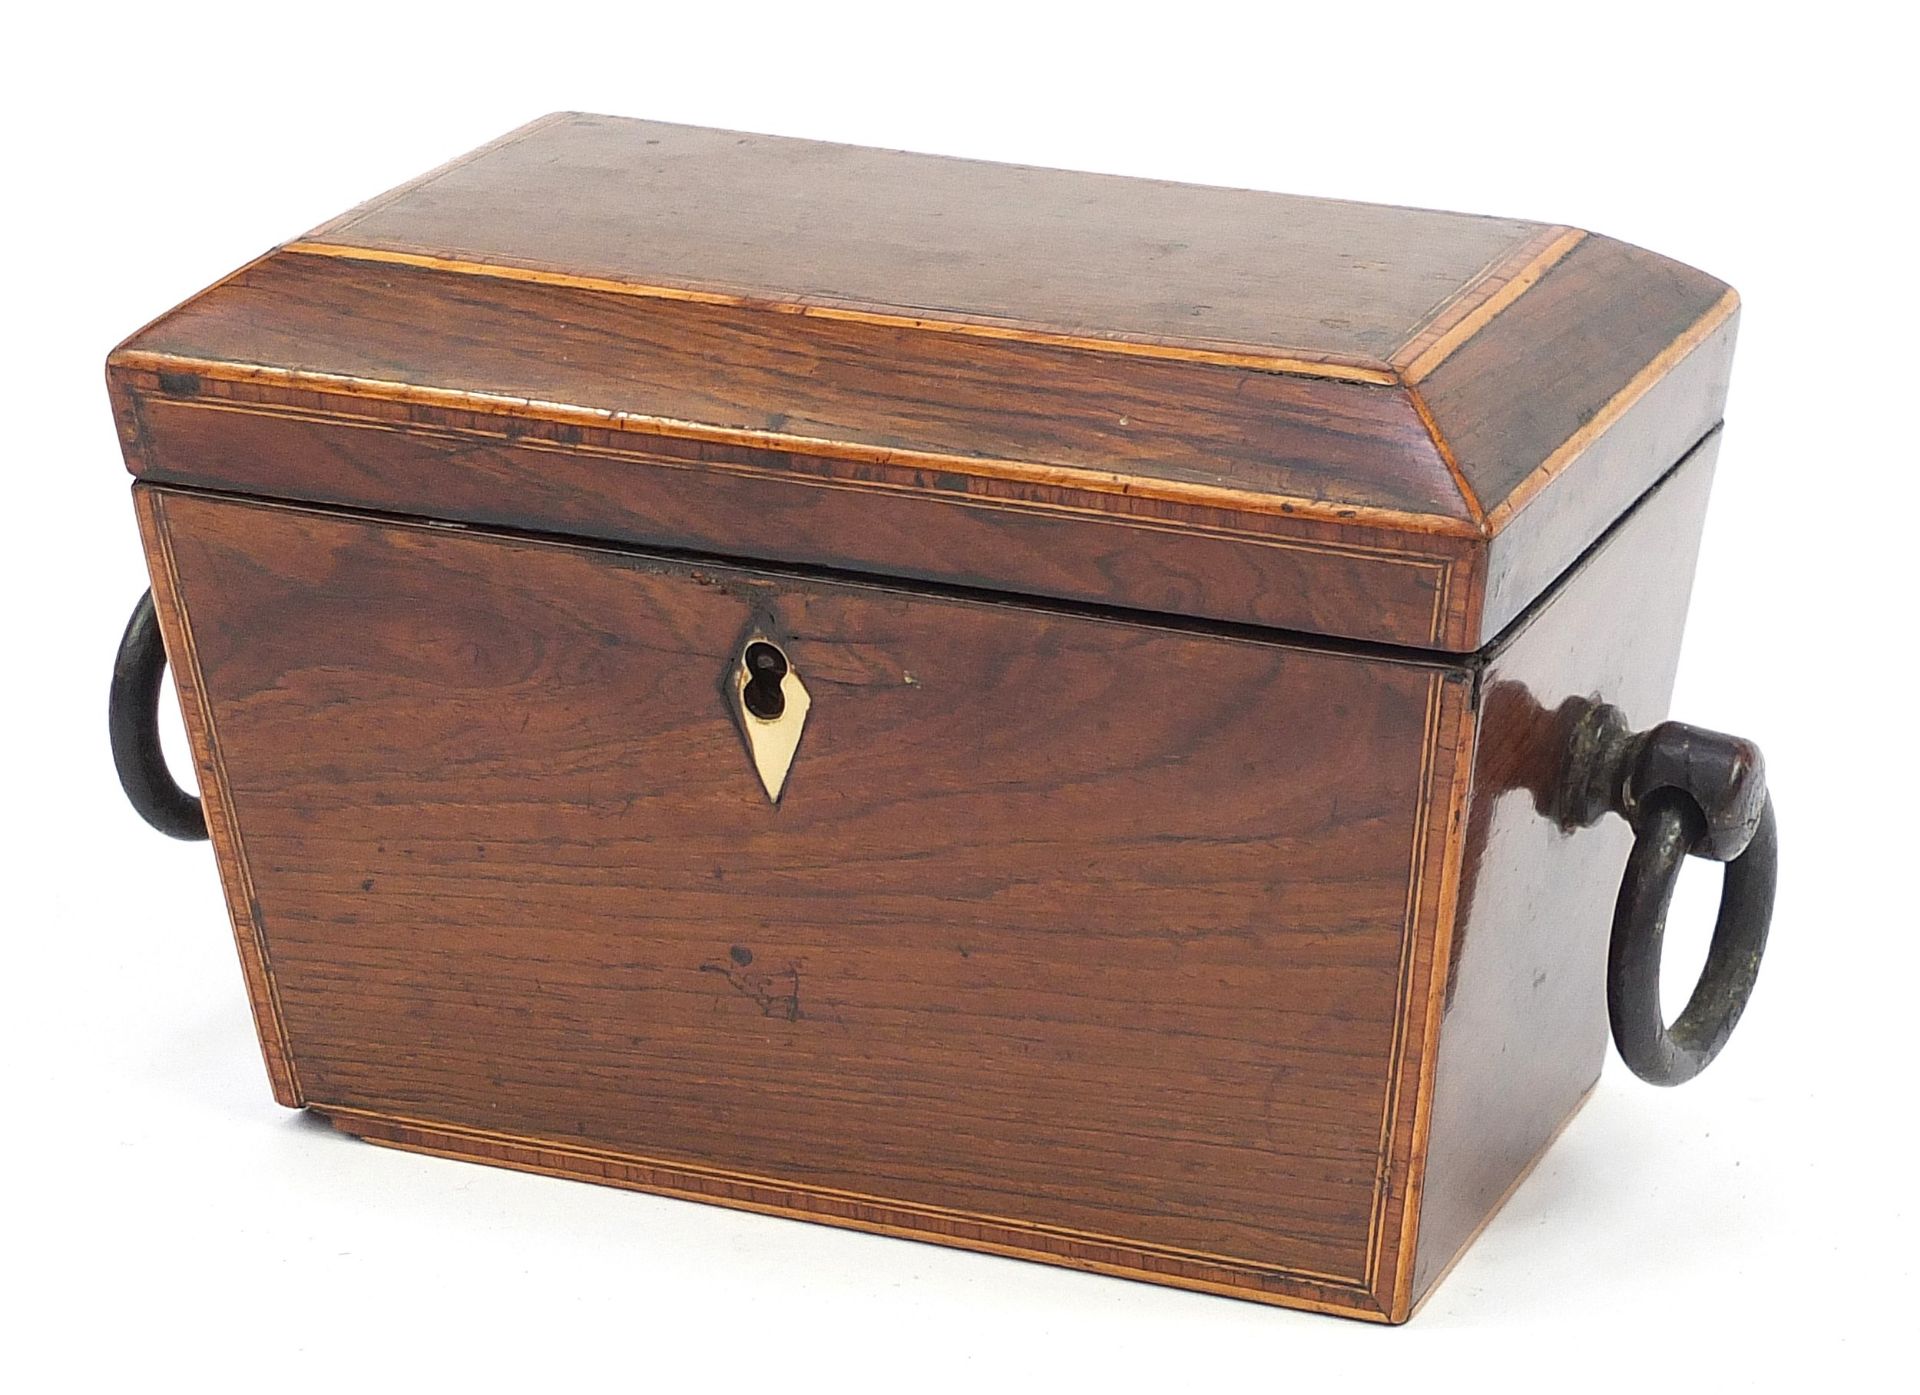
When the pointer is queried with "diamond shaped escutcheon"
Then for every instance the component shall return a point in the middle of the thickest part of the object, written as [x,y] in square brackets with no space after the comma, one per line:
[771,704]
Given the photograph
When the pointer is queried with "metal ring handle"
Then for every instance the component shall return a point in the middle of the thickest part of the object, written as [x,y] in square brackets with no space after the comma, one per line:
[133,727]
[1670,825]
[1684,790]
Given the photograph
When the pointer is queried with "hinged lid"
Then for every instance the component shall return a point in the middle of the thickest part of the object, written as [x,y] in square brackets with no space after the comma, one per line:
[1379,423]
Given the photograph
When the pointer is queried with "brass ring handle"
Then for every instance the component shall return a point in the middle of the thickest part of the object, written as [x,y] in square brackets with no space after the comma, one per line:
[1685,790]
[133,728]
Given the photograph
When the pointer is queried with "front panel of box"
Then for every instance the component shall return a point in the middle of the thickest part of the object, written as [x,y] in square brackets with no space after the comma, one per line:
[1098,940]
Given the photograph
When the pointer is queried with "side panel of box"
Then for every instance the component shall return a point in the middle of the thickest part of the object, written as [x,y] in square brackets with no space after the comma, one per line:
[216,798]
[1524,1030]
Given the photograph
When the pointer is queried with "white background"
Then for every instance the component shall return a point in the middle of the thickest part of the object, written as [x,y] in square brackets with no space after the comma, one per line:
[165,1218]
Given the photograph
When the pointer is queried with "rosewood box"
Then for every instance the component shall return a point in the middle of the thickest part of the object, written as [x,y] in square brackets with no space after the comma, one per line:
[1105,721]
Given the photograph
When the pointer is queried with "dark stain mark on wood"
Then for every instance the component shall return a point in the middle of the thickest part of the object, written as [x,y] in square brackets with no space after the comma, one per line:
[775,993]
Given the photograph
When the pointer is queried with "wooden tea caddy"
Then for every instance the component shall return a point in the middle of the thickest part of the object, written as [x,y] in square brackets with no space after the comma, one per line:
[1069,716]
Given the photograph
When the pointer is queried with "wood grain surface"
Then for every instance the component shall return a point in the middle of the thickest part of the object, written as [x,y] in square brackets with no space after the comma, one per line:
[1106,943]
[889,518]
[1187,432]
[1524,1033]
[1379,424]
[966,244]
[1191,586]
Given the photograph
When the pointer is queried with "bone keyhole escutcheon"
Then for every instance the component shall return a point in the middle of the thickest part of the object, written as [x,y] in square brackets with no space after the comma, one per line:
[771,704]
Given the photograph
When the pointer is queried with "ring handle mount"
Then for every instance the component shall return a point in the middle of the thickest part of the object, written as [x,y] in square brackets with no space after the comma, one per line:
[133,728]
[1684,790]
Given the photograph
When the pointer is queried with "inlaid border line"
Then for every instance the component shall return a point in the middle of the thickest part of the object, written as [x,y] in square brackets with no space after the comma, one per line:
[1301,1294]
[924,1210]
[1420,356]
[1638,386]
[866,313]
[1355,551]
[1445,921]
[1385,1161]
[1403,990]
[224,821]
[1079,477]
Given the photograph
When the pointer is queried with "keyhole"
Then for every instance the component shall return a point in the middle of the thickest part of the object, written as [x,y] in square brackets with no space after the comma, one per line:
[766,666]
